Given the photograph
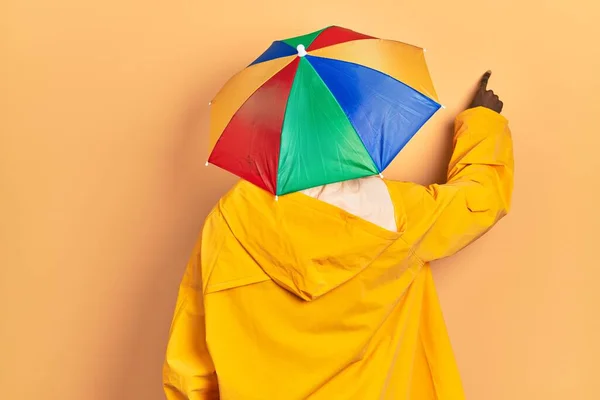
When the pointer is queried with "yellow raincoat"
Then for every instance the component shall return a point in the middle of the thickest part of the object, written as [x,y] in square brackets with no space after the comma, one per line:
[298,299]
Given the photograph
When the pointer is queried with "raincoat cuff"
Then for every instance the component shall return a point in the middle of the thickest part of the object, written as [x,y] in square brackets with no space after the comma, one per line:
[476,123]
[482,112]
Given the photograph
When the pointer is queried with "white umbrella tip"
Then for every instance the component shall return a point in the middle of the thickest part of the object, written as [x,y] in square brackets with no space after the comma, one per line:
[301,50]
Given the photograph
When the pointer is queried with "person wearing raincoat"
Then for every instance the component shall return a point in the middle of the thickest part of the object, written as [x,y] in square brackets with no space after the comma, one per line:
[329,295]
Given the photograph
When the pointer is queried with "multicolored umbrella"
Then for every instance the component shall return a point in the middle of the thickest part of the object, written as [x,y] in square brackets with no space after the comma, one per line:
[326,107]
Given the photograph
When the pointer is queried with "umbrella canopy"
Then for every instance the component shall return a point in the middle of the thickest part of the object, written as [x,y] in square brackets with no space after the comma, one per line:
[326,107]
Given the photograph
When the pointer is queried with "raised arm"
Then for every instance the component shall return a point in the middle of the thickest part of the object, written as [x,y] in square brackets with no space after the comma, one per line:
[443,219]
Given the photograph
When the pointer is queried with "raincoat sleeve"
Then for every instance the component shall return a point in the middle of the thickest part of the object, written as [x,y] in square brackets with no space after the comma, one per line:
[188,372]
[448,217]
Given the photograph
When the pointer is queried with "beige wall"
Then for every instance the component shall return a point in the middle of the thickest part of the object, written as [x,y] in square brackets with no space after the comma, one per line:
[103,123]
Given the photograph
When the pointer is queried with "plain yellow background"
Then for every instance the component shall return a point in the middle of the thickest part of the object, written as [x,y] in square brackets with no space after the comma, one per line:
[103,124]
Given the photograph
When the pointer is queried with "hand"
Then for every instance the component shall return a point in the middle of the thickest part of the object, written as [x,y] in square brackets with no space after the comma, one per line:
[486,98]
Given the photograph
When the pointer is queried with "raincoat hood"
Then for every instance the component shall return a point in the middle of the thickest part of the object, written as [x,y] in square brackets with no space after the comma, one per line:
[306,246]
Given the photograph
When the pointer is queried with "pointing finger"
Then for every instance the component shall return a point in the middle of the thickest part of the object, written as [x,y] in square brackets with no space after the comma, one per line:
[484,81]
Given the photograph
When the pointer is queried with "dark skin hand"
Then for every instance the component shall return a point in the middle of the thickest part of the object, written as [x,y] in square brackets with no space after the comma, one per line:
[487,98]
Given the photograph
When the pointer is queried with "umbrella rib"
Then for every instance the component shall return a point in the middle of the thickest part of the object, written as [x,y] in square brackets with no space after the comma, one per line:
[348,118]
